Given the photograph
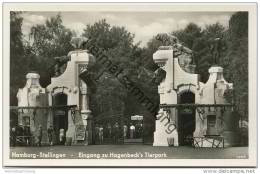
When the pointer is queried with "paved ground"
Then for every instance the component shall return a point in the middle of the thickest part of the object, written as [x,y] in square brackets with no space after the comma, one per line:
[127,151]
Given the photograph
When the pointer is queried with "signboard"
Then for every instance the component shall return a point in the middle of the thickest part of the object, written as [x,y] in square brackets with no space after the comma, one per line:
[186,111]
[60,112]
[80,132]
[137,117]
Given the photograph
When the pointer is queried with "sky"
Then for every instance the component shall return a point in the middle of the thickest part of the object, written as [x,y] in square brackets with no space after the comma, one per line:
[144,25]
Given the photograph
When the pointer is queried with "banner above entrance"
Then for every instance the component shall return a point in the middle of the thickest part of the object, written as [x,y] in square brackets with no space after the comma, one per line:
[136,117]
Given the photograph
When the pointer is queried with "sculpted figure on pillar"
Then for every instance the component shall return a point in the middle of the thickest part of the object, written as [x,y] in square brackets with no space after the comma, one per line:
[184,54]
[159,76]
[215,49]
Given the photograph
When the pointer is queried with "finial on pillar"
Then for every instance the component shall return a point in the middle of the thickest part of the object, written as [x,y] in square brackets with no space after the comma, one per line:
[78,42]
[32,79]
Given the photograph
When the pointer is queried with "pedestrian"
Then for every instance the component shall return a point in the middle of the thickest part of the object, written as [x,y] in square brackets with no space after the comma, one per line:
[132,131]
[39,135]
[141,130]
[19,130]
[96,134]
[27,135]
[13,137]
[62,136]
[125,131]
[50,132]
[101,138]
[116,133]
[109,130]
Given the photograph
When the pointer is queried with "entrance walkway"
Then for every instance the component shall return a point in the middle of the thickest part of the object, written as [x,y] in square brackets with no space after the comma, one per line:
[144,151]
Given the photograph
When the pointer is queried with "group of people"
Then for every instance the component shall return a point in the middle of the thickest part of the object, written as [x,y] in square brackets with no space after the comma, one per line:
[116,133]
[108,131]
[134,131]
[21,135]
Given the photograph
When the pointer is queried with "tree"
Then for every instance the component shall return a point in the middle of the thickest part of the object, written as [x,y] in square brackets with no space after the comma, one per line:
[18,62]
[204,58]
[236,61]
[49,40]
[147,55]
[199,41]
[118,45]
[188,35]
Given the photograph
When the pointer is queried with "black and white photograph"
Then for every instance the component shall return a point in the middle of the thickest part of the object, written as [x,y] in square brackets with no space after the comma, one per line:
[129,85]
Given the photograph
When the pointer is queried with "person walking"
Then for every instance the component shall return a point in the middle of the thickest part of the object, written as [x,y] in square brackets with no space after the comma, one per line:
[13,137]
[125,131]
[62,136]
[116,133]
[109,128]
[50,132]
[96,134]
[101,136]
[132,131]
[39,135]
[27,135]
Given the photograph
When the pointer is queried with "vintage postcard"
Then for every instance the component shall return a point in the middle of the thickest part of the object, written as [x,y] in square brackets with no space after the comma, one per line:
[130,84]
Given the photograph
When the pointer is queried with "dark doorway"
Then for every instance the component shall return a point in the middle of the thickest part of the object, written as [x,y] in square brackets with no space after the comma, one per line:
[60,120]
[211,125]
[186,119]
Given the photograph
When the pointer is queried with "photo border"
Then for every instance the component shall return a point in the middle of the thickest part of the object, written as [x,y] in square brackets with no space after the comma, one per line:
[176,7]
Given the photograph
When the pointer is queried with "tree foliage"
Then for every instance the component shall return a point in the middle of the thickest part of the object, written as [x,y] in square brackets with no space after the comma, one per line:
[118,45]
[17,56]
[49,40]
[236,61]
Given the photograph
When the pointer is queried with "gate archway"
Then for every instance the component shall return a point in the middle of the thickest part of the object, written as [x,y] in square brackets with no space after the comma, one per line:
[186,118]
[60,119]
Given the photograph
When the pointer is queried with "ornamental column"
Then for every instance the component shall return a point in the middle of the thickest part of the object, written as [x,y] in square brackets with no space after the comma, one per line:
[83,60]
[86,113]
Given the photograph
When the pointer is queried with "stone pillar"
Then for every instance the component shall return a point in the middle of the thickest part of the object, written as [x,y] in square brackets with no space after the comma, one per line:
[76,89]
[33,95]
[86,112]
[50,114]
[166,120]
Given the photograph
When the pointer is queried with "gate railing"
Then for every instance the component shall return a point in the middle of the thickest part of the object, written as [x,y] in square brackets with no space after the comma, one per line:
[22,135]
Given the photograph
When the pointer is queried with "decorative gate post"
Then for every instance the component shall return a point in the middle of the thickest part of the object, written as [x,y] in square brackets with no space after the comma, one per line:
[86,112]
[32,95]
[70,83]
[166,128]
